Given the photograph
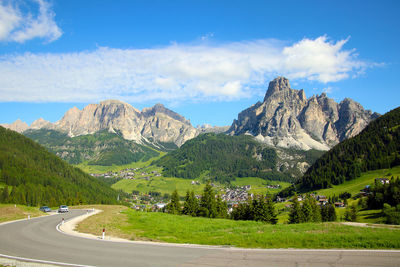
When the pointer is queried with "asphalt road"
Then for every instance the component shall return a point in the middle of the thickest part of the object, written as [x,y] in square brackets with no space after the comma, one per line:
[38,239]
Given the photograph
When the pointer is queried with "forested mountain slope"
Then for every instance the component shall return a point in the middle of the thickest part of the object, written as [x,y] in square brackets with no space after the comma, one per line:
[223,158]
[31,175]
[101,148]
[376,147]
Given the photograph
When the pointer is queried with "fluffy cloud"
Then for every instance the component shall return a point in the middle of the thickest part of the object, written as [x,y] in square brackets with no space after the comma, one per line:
[201,72]
[17,26]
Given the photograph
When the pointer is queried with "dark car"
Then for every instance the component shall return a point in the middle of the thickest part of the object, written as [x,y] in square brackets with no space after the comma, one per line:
[45,209]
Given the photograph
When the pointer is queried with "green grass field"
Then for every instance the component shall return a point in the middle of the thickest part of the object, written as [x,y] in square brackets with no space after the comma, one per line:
[159,184]
[354,186]
[114,168]
[134,225]
[8,212]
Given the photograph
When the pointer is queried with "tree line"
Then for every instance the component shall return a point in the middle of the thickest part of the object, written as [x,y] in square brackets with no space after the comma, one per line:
[309,211]
[211,205]
[386,197]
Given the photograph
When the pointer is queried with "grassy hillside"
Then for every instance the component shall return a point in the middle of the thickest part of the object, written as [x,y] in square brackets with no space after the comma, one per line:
[223,158]
[101,148]
[354,186]
[37,177]
[90,168]
[163,227]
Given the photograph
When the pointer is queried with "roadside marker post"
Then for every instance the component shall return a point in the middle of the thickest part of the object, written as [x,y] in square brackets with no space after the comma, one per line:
[62,222]
[104,233]
[29,216]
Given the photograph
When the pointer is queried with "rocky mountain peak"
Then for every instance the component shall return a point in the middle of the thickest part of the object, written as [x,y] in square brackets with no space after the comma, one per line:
[286,118]
[40,123]
[160,108]
[279,84]
[17,126]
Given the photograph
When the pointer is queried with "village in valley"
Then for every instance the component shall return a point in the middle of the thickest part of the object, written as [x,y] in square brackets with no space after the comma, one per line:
[232,195]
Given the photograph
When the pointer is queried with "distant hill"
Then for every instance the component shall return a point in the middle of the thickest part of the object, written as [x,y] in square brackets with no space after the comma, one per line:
[33,176]
[376,147]
[223,158]
[101,148]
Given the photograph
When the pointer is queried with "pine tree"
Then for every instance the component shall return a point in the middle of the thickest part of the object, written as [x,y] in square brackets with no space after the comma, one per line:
[207,203]
[190,207]
[221,207]
[331,213]
[173,206]
[4,195]
[350,214]
[307,210]
[271,211]
[296,214]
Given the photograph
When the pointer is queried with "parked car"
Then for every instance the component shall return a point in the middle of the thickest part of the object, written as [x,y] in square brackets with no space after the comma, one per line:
[45,209]
[63,209]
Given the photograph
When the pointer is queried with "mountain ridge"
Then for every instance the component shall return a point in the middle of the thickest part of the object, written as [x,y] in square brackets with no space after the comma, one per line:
[287,119]
[155,124]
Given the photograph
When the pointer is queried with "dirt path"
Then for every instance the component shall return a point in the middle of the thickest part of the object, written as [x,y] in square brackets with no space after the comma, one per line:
[358,224]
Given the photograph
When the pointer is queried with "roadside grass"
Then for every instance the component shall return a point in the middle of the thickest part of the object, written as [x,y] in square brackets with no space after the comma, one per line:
[8,212]
[126,223]
[113,218]
[354,186]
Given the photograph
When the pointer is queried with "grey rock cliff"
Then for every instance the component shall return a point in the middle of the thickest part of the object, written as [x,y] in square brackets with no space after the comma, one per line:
[155,124]
[286,118]
[17,126]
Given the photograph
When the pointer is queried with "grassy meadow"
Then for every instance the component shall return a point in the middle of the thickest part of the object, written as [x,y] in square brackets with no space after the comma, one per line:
[366,178]
[126,223]
[114,168]
[9,212]
[160,184]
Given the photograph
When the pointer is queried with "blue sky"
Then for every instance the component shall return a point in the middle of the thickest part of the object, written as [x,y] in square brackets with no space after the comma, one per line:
[206,60]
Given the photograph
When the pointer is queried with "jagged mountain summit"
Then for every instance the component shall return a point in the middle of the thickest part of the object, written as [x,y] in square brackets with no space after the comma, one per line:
[287,119]
[155,124]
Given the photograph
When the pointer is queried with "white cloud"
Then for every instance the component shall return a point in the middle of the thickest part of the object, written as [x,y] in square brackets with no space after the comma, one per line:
[17,26]
[201,72]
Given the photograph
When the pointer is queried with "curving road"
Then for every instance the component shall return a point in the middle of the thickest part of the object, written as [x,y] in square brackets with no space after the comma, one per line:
[38,239]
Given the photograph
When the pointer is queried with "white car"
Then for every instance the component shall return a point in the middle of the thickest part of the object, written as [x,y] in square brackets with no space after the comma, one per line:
[63,209]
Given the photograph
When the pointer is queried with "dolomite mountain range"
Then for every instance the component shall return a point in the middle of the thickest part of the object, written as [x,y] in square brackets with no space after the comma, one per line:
[286,118]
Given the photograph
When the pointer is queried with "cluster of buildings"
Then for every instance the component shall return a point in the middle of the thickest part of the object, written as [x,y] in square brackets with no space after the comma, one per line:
[237,195]
[130,173]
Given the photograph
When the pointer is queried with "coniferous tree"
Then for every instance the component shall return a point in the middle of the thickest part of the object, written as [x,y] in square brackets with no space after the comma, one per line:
[307,210]
[350,214]
[296,214]
[207,203]
[4,195]
[273,216]
[221,208]
[191,205]
[173,206]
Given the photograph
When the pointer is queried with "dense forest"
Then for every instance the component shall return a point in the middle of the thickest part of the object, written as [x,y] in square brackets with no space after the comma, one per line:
[30,175]
[101,148]
[376,147]
[223,158]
